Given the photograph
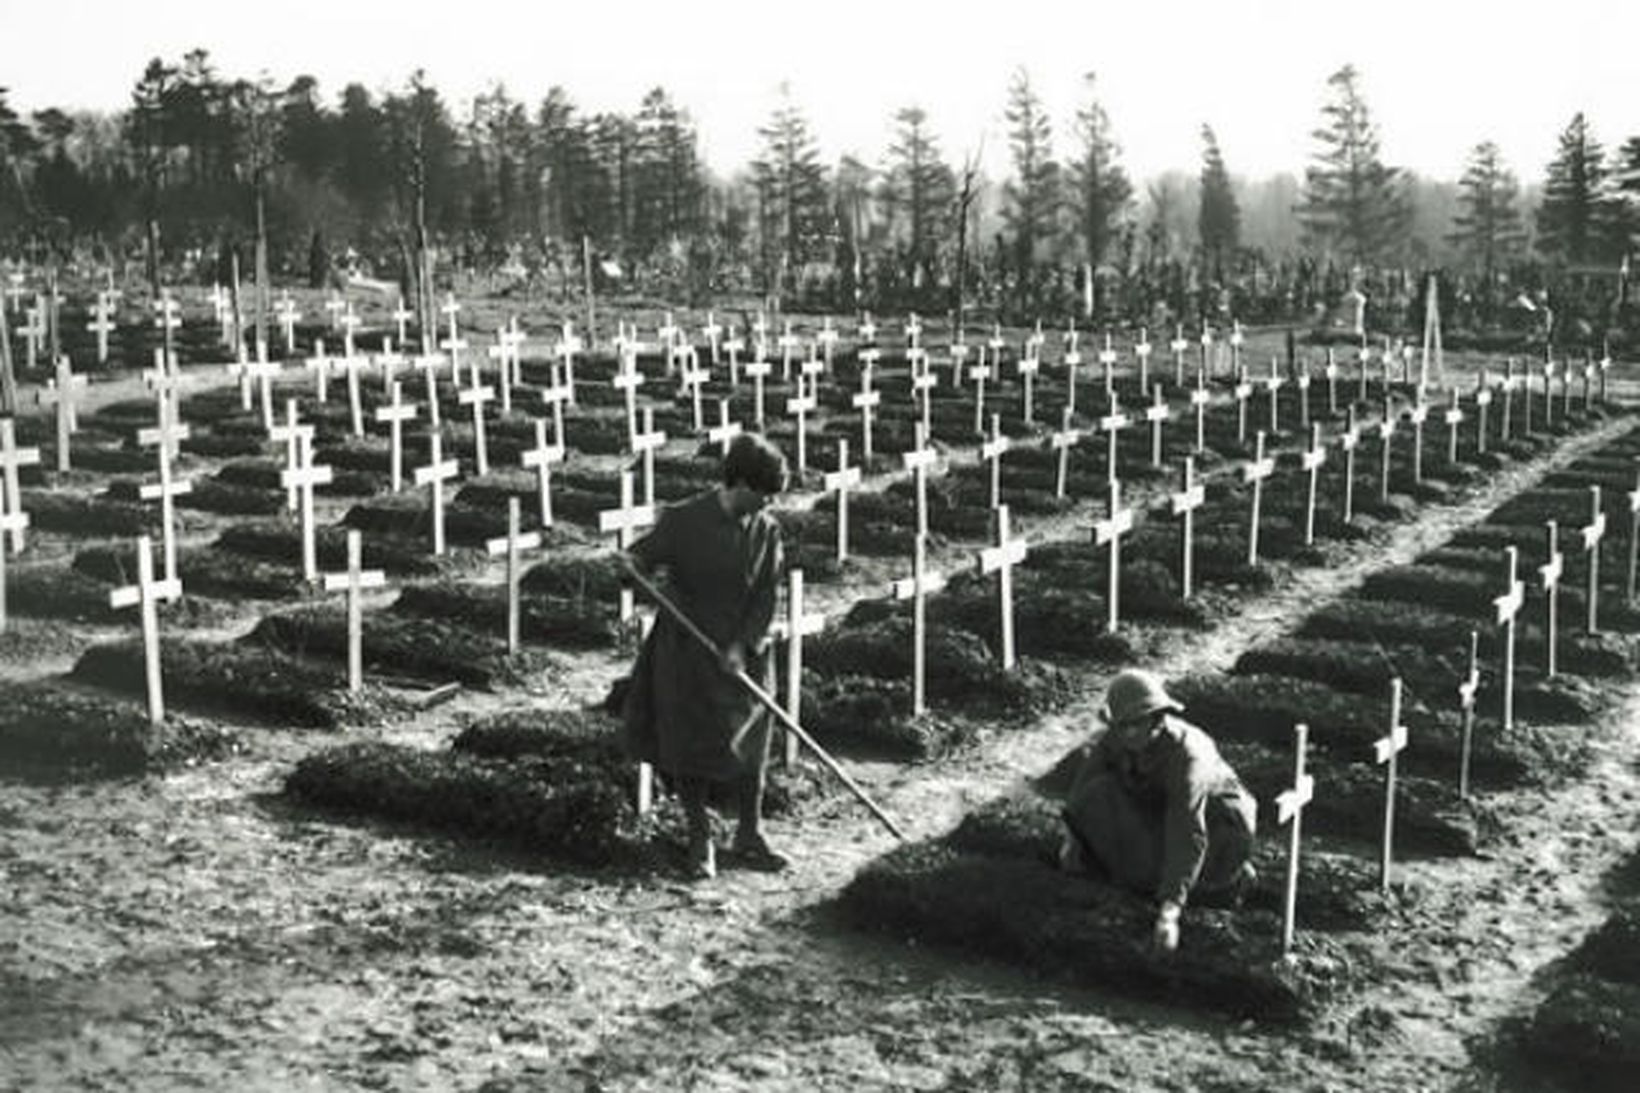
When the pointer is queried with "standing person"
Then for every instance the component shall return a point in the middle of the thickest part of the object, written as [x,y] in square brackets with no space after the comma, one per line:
[1155,808]
[685,712]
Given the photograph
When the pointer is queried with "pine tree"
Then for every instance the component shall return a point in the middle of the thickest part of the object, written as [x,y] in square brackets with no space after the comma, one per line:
[917,190]
[1574,213]
[1031,197]
[1099,188]
[791,184]
[1218,222]
[1353,203]
[669,189]
[1625,180]
[1487,232]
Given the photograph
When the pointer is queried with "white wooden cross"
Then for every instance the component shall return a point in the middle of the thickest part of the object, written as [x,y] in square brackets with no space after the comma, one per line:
[477,396]
[1027,367]
[627,380]
[429,363]
[1386,430]
[505,352]
[350,326]
[32,331]
[992,450]
[1453,416]
[713,333]
[841,480]
[102,327]
[1157,413]
[959,361]
[303,479]
[334,308]
[1634,537]
[1107,358]
[1200,396]
[437,472]
[1290,810]
[263,373]
[1073,361]
[624,523]
[1178,345]
[1507,386]
[867,330]
[1387,749]
[1330,373]
[12,459]
[290,435]
[827,339]
[1273,384]
[61,392]
[760,370]
[1236,340]
[287,315]
[1001,559]
[1468,692]
[10,521]
[167,437]
[1254,474]
[865,401]
[645,445]
[695,378]
[1191,496]
[1062,441]
[1604,365]
[1483,399]
[455,343]
[797,625]
[395,414]
[1592,533]
[401,317]
[800,407]
[923,381]
[388,363]
[1117,522]
[1348,442]
[913,330]
[317,363]
[1550,573]
[512,544]
[1112,425]
[788,344]
[354,581]
[1508,607]
[1417,415]
[725,431]
[1141,350]
[1242,391]
[1207,349]
[168,320]
[920,460]
[569,344]
[1312,459]
[979,372]
[146,595]
[555,394]
[734,345]
[917,588]
[541,457]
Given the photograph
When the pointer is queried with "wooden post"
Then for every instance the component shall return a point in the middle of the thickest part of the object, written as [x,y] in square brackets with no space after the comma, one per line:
[1593,532]
[1273,384]
[395,414]
[1453,417]
[1417,415]
[726,431]
[1349,442]
[1001,559]
[992,450]
[1290,810]
[979,373]
[694,378]
[354,582]
[102,327]
[303,479]
[1200,396]
[1028,367]
[146,595]
[1178,345]
[1073,360]
[866,402]
[917,588]
[1634,535]
[60,393]
[644,446]
[923,382]
[1190,497]
[1508,607]
[1386,430]
[288,434]
[511,544]
[1507,386]
[1242,392]
[800,408]
[1468,692]
[1117,523]
[477,396]
[760,370]
[624,523]
[11,520]
[1483,399]
[1254,474]
[1141,350]
[1387,749]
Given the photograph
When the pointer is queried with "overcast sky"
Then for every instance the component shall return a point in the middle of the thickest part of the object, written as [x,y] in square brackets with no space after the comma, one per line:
[1440,75]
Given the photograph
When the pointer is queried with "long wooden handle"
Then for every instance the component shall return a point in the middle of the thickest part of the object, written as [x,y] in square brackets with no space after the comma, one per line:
[768,702]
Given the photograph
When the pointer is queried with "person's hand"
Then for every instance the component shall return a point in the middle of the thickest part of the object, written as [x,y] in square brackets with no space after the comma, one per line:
[733,659]
[1164,937]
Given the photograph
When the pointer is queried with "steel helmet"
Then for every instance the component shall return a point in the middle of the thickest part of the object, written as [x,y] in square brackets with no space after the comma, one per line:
[1136,694]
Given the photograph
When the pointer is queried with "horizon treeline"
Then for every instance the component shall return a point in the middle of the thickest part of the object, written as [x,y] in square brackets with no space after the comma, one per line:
[200,161]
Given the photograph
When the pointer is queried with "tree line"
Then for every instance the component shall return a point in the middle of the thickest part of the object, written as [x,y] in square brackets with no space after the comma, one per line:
[201,164]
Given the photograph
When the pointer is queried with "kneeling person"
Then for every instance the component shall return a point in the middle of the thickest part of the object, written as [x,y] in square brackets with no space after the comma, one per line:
[1156,808]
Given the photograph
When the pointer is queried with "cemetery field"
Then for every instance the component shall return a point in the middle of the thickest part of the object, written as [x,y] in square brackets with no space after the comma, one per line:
[404,886]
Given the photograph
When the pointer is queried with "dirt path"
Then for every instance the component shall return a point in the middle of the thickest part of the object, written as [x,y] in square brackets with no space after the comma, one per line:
[192,931]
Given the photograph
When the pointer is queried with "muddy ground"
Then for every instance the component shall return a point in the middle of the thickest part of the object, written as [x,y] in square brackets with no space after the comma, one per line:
[193,930]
